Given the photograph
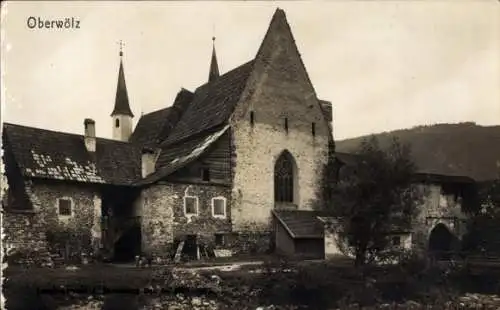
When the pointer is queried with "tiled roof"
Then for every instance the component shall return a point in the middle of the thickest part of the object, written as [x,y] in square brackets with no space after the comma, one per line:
[148,127]
[49,154]
[301,224]
[154,127]
[440,178]
[118,162]
[177,156]
[212,105]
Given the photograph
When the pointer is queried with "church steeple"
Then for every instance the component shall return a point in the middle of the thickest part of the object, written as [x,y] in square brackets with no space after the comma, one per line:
[122,114]
[121,100]
[214,67]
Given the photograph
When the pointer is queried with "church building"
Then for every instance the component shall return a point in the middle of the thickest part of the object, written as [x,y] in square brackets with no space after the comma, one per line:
[217,169]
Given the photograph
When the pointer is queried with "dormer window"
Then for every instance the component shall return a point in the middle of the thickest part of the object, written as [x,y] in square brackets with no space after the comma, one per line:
[117,123]
[205,174]
[286,124]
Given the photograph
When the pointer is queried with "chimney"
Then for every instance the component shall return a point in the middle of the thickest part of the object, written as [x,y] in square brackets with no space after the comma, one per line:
[148,161]
[90,140]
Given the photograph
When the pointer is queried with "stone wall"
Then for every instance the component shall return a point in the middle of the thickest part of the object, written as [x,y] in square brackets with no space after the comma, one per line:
[23,231]
[278,89]
[437,207]
[164,220]
[45,230]
[83,223]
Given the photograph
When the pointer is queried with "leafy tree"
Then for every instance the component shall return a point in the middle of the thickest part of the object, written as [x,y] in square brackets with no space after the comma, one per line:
[484,226]
[373,198]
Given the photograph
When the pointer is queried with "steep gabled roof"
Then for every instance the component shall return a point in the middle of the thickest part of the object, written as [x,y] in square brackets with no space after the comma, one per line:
[148,127]
[48,154]
[154,127]
[122,105]
[212,105]
[214,66]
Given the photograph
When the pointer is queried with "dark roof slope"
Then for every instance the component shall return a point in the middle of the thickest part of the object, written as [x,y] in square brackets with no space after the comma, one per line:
[56,155]
[301,223]
[118,162]
[149,125]
[121,100]
[154,127]
[212,105]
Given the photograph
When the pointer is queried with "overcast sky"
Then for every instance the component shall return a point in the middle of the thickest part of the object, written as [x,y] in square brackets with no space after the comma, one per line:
[384,65]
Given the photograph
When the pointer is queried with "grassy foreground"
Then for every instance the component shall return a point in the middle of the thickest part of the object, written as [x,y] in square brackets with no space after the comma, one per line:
[311,285]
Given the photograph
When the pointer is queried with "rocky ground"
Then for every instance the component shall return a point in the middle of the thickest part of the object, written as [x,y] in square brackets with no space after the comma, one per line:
[208,287]
[181,302]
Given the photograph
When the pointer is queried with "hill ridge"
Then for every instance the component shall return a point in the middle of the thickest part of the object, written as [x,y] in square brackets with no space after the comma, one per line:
[465,148]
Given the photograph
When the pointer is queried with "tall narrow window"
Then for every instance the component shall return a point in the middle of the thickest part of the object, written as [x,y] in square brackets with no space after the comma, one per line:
[313,129]
[283,178]
[252,118]
[286,124]
[117,123]
[190,205]
[219,207]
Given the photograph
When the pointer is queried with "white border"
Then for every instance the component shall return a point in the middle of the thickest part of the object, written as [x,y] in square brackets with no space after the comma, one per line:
[197,206]
[225,207]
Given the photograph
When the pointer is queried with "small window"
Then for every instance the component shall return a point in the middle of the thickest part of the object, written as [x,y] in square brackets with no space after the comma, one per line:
[396,241]
[117,123]
[219,239]
[219,207]
[64,207]
[190,205]
[205,174]
[252,118]
[313,129]
[286,124]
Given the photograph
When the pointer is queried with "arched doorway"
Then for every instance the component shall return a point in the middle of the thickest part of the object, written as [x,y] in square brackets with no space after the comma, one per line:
[284,178]
[441,242]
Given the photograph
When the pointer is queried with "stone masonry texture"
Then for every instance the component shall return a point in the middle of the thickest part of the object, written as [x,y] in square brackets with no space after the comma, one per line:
[277,89]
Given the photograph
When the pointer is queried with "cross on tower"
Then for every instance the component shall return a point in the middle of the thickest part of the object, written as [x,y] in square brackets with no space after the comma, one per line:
[121,47]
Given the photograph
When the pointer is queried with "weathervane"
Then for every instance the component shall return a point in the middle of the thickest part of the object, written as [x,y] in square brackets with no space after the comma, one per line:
[121,47]
[213,33]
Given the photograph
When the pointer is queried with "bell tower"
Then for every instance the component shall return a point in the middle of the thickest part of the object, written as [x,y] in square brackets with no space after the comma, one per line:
[122,114]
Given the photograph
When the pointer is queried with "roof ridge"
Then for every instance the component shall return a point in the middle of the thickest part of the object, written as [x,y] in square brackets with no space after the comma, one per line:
[42,129]
[157,111]
[225,74]
[63,132]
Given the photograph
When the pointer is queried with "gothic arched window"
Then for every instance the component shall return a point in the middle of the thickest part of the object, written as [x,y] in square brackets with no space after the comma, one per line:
[284,178]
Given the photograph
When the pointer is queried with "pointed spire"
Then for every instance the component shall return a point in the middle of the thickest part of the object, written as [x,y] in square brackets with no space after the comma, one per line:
[121,100]
[214,67]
